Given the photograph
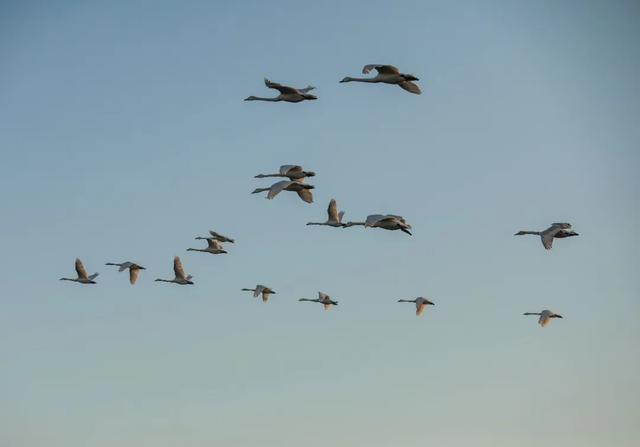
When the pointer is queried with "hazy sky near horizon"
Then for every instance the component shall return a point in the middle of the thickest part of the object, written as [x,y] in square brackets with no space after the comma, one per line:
[124,136]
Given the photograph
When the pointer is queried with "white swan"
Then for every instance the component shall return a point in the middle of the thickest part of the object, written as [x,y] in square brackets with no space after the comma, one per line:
[288,94]
[292,172]
[82,278]
[388,74]
[134,269]
[335,217]
[180,277]
[302,189]
[261,290]
[213,246]
[323,299]
[556,230]
[545,316]
[385,221]
[420,302]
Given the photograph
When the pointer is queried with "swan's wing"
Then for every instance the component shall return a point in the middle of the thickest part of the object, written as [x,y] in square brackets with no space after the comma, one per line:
[340,216]
[323,296]
[258,291]
[177,268]
[265,297]
[563,226]
[543,320]
[410,87]
[285,169]
[326,306]
[306,195]
[332,211]
[133,275]
[277,188]
[547,235]
[124,266]
[82,273]
[373,219]
[281,88]
[420,306]
[213,243]
[306,89]
[94,276]
[382,69]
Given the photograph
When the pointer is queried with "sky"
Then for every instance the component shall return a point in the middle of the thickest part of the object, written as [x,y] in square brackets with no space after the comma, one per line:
[124,135]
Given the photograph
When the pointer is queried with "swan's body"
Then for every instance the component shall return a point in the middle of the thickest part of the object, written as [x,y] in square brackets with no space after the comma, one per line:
[82,278]
[545,316]
[335,217]
[134,269]
[421,304]
[388,74]
[323,299]
[287,94]
[303,190]
[385,221]
[180,277]
[220,237]
[261,290]
[556,230]
[213,246]
[292,172]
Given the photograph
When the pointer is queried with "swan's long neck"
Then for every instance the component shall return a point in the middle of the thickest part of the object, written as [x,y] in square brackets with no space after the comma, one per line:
[195,249]
[537,233]
[351,224]
[349,79]
[316,223]
[68,279]
[532,313]
[258,98]
[163,280]
[269,175]
[257,190]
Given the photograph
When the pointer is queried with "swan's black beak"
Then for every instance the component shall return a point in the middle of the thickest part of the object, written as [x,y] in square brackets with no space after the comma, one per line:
[406,231]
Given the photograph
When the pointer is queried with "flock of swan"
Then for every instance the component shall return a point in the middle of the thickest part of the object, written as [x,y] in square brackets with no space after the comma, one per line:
[294,181]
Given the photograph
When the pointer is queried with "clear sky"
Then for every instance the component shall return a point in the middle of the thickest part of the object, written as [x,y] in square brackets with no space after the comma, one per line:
[124,135]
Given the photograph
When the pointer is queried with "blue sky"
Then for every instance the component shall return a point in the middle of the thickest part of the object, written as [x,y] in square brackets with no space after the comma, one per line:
[124,135]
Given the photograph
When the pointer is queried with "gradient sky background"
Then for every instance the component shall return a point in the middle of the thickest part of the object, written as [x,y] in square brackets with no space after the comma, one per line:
[124,135]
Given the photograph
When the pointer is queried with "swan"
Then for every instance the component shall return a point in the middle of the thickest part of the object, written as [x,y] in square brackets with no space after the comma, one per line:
[556,230]
[213,246]
[386,221]
[288,94]
[545,316]
[134,269]
[221,238]
[335,217]
[261,290]
[388,74]
[82,278]
[324,299]
[181,278]
[421,304]
[293,172]
[302,189]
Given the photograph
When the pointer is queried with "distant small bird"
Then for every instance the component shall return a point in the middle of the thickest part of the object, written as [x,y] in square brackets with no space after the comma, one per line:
[335,217]
[323,299]
[287,94]
[385,221]
[213,246]
[303,190]
[134,269]
[545,316]
[180,278]
[388,74]
[82,278]
[221,238]
[261,290]
[292,172]
[556,230]
[421,304]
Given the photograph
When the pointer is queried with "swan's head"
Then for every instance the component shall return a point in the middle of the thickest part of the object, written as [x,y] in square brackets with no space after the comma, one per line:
[250,98]
[347,79]
[309,174]
[520,233]
[307,96]
[305,186]
[410,77]
[556,316]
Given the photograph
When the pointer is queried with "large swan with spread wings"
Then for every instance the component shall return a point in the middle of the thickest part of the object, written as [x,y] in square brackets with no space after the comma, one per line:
[287,94]
[388,74]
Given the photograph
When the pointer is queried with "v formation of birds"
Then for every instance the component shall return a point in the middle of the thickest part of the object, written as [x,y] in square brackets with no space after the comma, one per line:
[293,179]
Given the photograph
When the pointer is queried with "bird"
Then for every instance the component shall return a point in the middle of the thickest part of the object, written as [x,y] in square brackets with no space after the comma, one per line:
[545,316]
[82,278]
[287,94]
[302,189]
[180,278]
[556,230]
[134,269]
[261,290]
[293,172]
[421,304]
[213,246]
[386,221]
[323,299]
[335,217]
[221,238]
[388,74]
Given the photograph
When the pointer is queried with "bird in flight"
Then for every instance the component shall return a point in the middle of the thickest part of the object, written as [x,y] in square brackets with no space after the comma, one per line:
[82,278]
[180,277]
[292,172]
[323,299]
[134,269]
[213,246]
[303,190]
[385,221]
[556,230]
[421,304]
[287,94]
[335,217]
[261,290]
[388,74]
[545,316]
